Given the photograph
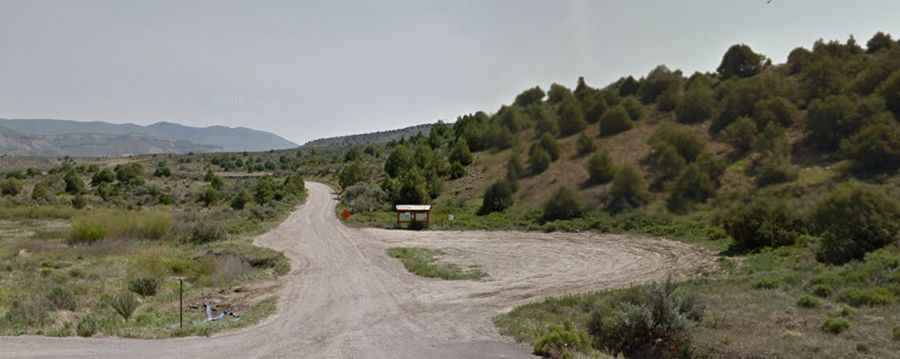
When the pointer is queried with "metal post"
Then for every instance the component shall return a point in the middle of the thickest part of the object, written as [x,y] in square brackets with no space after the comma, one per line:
[181,302]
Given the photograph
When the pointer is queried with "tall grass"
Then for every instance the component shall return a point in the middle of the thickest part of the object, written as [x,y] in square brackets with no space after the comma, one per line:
[37,212]
[120,224]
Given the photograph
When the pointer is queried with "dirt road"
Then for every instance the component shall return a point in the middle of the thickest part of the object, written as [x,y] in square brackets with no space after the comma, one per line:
[344,298]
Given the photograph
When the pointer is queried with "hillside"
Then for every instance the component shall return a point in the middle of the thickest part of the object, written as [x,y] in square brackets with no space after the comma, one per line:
[107,139]
[788,171]
[369,138]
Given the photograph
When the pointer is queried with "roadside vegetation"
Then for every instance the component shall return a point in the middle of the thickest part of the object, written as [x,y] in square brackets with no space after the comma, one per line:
[788,170]
[427,263]
[94,247]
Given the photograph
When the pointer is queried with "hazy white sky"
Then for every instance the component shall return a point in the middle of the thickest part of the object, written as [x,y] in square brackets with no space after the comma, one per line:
[309,69]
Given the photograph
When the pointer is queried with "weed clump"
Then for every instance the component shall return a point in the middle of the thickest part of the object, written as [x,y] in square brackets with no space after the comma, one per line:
[835,325]
[561,341]
[124,304]
[61,299]
[145,287]
[87,327]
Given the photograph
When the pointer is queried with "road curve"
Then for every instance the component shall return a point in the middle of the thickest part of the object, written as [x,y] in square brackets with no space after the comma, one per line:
[344,298]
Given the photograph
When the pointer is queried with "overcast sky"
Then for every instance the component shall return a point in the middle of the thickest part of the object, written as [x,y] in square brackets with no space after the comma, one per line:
[310,69]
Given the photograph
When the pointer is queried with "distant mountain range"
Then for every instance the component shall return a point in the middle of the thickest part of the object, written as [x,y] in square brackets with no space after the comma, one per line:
[46,137]
[369,138]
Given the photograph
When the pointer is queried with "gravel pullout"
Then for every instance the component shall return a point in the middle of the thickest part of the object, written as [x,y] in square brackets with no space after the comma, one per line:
[344,298]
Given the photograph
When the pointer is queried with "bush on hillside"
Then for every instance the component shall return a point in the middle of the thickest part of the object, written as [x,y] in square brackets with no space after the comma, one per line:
[240,200]
[741,134]
[615,121]
[693,185]
[828,120]
[740,61]
[545,121]
[685,140]
[497,198]
[668,162]
[879,42]
[629,190]
[530,97]
[352,174]
[778,110]
[563,205]
[890,91]
[876,148]
[600,168]
[585,145]
[853,220]
[774,169]
[634,108]
[571,118]
[457,170]
[549,144]
[74,184]
[697,106]
[538,160]
[763,222]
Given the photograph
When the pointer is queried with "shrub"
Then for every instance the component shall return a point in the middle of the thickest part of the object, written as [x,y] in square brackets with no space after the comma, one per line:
[563,205]
[28,312]
[740,60]
[550,145]
[647,322]
[890,91]
[767,282]
[629,190]
[86,233]
[561,341]
[74,184]
[145,287]
[634,108]
[876,147]
[240,200]
[210,196]
[364,197]
[600,168]
[762,222]
[204,232]
[854,220]
[614,121]
[878,42]
[571,118]
[896,334]
[87,326]
[61,299]
[497,197]
[822,290]
[352,174]
[807,301]
[79,202]
[538,160]
[697,106]
[828,120]
[741,134]
[669,163]
[460,154]
[685,140]
[693,185]
[585,144]
[10,187]
[858,297]
[835,325]
[124,304]
[775,169]
[457,170]
[775,110]
[530,96]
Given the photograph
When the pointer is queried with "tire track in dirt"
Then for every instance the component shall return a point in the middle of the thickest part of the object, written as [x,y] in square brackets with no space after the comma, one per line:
[344,298]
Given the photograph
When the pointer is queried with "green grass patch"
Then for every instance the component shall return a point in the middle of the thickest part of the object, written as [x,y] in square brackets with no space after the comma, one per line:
[103,224]
[423,262]
[37,212]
